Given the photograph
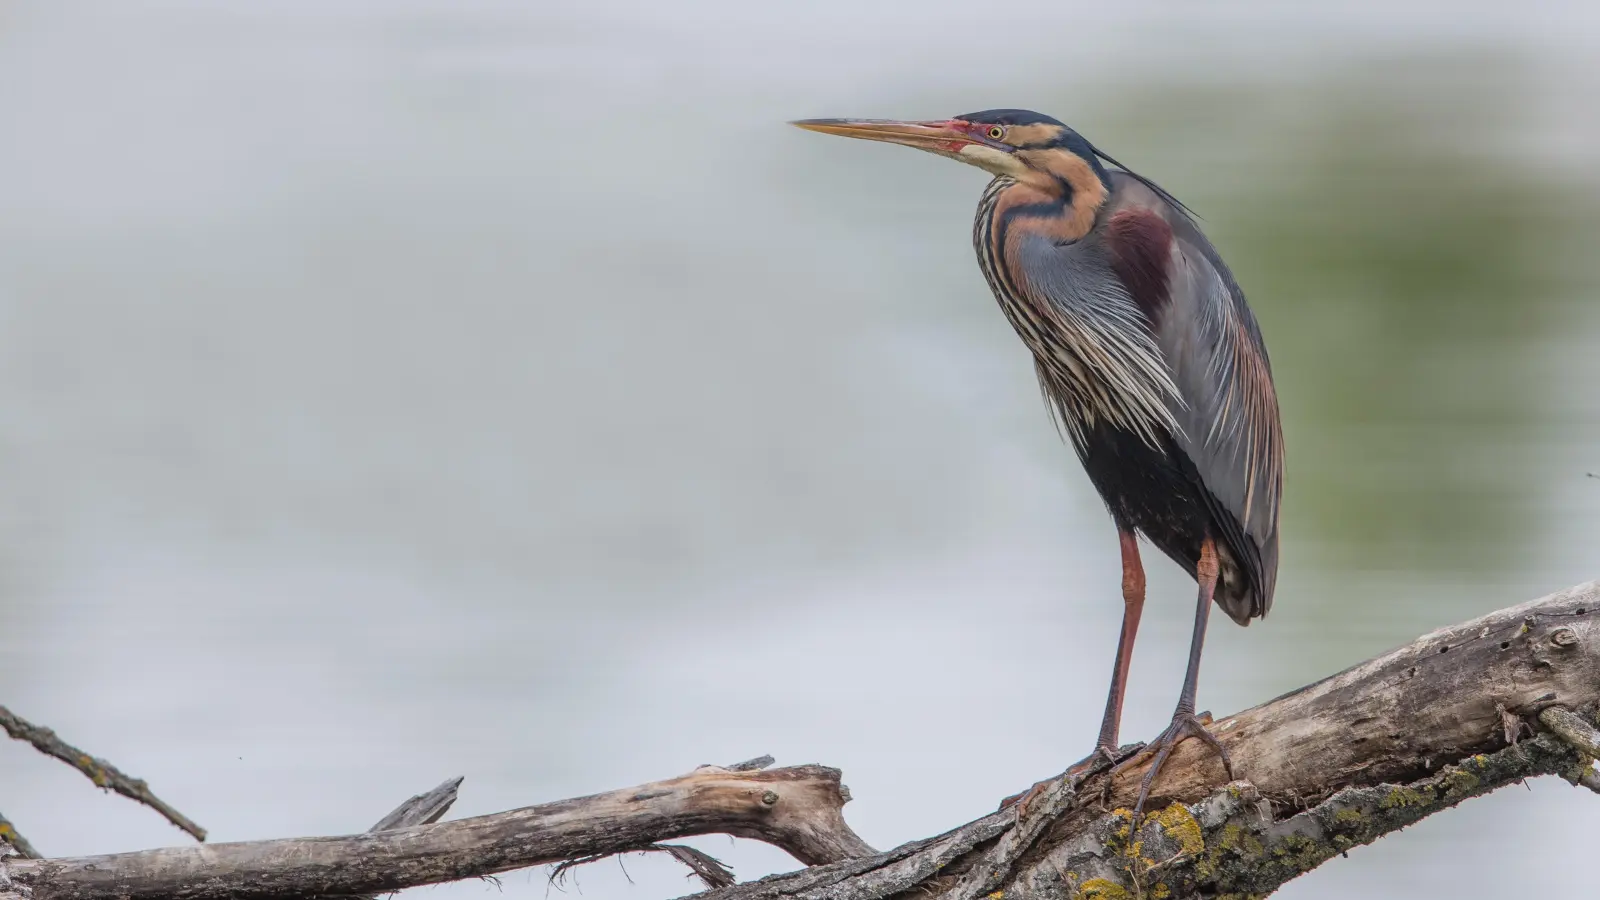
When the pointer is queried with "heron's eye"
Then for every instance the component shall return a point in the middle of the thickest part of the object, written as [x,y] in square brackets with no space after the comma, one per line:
[996,132]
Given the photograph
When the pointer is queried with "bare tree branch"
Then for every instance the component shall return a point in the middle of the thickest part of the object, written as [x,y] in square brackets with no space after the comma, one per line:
[102,773]
[1330,767]
[1582,737]
[710,870]
[1231,843]
[1573,729]
[423,809]
[10,836]
[797,809]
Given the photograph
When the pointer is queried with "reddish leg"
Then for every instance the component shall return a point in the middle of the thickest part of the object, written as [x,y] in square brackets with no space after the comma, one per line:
[1105,747]
[1184,722]
[1132,609]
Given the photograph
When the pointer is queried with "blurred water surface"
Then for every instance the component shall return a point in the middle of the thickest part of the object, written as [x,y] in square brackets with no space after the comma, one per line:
[391,391]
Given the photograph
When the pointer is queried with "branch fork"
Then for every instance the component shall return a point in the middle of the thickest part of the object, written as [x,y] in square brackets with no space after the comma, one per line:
[1454,714]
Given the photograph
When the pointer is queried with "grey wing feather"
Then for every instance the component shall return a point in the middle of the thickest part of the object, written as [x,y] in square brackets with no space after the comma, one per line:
[1229,413]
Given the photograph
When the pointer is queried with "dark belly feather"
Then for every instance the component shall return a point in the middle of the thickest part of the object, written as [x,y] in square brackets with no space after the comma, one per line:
[1161,496]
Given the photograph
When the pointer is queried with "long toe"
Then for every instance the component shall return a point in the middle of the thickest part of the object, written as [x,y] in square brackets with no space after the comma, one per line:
[1026,798]
[1101,758]
[1183,725]
[1200,727]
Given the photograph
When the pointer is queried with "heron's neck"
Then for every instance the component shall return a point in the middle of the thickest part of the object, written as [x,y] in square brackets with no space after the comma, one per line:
[1058,197]
[1060,207]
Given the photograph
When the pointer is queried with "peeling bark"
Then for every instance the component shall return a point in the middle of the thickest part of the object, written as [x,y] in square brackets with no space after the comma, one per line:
[1329,767]
[797,809]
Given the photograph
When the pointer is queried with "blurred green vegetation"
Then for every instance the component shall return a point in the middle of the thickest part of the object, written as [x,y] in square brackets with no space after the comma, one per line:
[1408,267]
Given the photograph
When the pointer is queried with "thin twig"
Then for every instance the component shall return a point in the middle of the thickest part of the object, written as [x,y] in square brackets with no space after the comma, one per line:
[99,771]
[559,871]
[10,835]
[712,872]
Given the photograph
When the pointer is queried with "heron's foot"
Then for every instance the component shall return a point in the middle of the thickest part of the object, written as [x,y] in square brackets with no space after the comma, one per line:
[1184,724]
[1101,759]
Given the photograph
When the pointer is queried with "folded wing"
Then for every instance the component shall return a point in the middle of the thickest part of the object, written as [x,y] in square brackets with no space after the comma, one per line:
[1226,405]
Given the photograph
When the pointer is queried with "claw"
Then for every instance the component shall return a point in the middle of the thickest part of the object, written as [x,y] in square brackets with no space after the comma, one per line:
[1183,725]
[1101,759]
[1026,798]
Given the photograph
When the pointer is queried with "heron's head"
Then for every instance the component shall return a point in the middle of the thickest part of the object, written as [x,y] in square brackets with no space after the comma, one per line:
[1016,143]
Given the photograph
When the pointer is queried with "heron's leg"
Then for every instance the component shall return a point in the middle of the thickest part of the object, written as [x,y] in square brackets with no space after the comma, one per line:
[1105,747]
[1206,575]
[1184,722]
[1132,609]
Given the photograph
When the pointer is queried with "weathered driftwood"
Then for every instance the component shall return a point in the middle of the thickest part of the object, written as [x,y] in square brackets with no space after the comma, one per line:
[423,809]
[1454,714]
[797,809]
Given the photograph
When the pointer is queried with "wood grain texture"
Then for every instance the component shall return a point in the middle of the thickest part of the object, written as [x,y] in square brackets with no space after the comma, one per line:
[797,809]
[1402,715]
[423,809]
[1455,714]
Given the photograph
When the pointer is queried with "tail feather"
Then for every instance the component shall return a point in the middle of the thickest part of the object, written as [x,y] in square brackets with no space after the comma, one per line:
[1237,593]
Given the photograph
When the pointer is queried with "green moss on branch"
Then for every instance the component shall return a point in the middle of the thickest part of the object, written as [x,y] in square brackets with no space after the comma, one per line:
[1234,844]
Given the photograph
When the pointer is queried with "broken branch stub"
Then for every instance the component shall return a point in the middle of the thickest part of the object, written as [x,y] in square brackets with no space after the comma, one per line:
[796,808]
[1456,713]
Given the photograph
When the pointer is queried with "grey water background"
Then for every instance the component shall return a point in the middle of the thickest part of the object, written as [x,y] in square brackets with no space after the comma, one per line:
[398,390]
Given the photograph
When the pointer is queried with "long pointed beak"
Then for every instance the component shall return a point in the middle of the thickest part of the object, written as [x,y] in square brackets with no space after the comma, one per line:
[948,136]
